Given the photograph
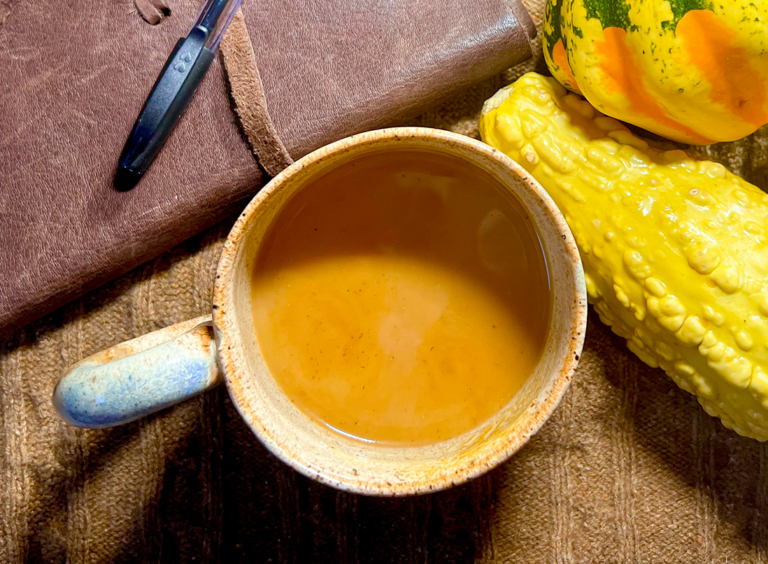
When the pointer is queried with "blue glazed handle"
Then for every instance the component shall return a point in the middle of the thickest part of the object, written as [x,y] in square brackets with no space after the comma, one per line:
[139,377]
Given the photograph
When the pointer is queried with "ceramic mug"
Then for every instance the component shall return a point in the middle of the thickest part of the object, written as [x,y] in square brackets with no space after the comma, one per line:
[157,370]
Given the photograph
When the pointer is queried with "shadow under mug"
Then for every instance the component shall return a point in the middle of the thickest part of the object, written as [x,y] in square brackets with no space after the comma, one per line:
[157,370]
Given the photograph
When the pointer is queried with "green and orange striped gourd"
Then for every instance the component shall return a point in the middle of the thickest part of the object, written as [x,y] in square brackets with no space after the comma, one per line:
[693,71]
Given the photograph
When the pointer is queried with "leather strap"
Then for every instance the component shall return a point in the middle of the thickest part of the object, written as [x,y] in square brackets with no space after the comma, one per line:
[152,11]
[250,103]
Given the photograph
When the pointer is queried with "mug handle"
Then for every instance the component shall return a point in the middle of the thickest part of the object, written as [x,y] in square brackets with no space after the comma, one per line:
[140,376]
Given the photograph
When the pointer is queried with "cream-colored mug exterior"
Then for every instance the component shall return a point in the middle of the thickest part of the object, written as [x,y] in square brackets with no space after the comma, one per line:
[309,447]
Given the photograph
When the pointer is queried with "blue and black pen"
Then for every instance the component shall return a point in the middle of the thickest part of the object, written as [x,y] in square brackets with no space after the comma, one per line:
[184,69]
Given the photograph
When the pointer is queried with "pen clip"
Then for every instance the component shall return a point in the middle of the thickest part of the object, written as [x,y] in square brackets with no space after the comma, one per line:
[170,95]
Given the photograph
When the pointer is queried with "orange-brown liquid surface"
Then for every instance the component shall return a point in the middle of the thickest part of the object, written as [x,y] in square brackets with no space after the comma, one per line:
[401,298]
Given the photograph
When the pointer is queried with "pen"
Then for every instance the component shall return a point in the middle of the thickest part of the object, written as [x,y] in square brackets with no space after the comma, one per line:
[183,70]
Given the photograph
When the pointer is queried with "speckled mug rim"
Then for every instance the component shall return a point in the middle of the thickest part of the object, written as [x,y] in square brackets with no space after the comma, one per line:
[483,461]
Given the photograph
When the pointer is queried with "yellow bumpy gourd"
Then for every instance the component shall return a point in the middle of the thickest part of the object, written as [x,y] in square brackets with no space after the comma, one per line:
[675,250]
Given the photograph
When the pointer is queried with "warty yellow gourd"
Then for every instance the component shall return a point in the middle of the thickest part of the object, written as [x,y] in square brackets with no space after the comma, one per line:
[675,250]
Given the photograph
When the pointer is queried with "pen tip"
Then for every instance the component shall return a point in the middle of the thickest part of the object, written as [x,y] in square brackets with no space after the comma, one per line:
[125,179]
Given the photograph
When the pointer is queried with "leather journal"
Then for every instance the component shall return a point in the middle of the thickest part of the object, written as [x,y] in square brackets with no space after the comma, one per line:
[298,75]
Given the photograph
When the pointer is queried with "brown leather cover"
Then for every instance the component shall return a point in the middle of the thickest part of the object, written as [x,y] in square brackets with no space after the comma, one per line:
[73,79]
